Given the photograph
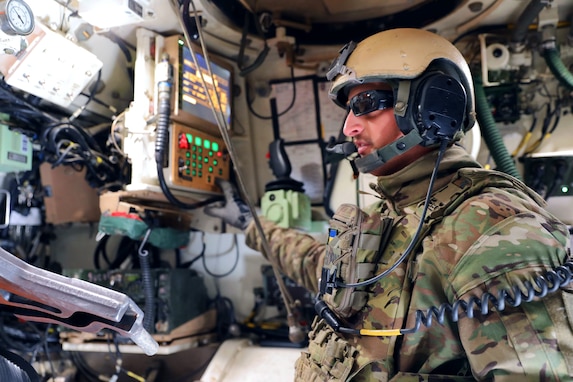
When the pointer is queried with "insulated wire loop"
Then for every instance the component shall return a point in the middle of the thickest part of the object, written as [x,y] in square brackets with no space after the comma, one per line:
[414,241]
[544,284]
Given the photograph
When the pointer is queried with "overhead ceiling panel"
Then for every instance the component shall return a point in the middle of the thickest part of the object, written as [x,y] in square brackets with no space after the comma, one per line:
[336,21]
[342,10]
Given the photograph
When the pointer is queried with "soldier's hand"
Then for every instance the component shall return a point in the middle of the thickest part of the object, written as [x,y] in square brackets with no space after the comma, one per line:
[234,211]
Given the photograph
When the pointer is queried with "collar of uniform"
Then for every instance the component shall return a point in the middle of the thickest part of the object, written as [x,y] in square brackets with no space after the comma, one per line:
[410,184]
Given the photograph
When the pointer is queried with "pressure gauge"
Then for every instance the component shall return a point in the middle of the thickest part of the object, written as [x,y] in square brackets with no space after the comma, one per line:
[16,17]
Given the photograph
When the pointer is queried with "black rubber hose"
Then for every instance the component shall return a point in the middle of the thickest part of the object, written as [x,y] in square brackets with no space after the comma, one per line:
[525,19]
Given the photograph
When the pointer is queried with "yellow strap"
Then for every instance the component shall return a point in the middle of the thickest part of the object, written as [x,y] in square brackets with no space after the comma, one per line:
[381,332]
[135,376]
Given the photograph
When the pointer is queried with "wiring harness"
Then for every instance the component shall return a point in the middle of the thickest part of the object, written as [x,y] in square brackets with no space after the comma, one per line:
[66,140]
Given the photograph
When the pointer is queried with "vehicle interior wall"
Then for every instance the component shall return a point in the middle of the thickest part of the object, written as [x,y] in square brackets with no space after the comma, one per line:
[526,99]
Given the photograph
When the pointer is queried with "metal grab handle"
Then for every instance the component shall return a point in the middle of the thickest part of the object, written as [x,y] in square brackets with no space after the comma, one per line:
[74,303]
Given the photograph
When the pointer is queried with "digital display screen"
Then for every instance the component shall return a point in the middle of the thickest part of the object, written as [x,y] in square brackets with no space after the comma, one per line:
[193,98]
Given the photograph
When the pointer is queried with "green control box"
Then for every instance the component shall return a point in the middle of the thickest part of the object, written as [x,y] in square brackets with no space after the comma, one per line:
[287,209]
[15,151]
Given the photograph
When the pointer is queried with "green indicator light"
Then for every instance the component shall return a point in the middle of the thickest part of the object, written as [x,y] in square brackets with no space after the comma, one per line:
[187,154]
[193,164]
[215,146]
[189,137]
[210,169]
[206,160]
[200,174]
[194,156]
[198,141]
[187,162]
[564,189]
[210,153]
[200,165]
[200,149]
[207,144]
[194,173]
[215,162]
[187,171]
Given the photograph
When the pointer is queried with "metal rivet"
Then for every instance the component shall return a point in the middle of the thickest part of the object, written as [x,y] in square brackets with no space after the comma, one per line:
[476,6]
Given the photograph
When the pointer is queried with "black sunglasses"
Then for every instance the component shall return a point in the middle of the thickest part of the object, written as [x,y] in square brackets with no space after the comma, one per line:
[369,101]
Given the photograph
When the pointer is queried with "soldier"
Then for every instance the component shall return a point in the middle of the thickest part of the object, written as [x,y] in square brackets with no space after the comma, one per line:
[476,245]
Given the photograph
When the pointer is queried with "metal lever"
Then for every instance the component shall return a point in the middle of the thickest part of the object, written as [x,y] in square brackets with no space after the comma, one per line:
[7,209]
[74,303]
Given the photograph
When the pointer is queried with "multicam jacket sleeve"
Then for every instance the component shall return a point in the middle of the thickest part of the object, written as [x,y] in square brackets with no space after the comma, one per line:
[496,241]
[297,254]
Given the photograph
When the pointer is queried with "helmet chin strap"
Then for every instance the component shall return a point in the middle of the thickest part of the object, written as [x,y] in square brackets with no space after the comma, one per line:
[376,159]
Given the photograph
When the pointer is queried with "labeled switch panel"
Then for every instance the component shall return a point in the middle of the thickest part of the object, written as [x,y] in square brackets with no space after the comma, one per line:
[196,159]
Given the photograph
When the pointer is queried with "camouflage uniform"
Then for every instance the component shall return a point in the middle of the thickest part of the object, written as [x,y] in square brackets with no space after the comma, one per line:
[496,239]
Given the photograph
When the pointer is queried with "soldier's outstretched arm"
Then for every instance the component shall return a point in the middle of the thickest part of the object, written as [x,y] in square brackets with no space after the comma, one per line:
[298,255]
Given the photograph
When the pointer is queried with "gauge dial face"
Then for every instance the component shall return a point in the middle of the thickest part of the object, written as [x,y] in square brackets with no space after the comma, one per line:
[19,18]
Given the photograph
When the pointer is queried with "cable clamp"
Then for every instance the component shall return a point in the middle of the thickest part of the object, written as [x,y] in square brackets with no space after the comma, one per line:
[327,281]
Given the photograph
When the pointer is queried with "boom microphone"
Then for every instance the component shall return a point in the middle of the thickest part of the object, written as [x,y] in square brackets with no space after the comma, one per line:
[345,148]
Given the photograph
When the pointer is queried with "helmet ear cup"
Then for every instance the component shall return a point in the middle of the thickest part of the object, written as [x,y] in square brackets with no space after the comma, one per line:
[437,108]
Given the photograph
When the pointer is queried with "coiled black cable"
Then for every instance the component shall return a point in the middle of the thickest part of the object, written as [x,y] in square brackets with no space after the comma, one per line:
[550,282]
[148,286]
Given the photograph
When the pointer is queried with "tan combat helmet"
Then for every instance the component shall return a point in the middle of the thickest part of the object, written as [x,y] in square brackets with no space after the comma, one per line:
[405,58]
